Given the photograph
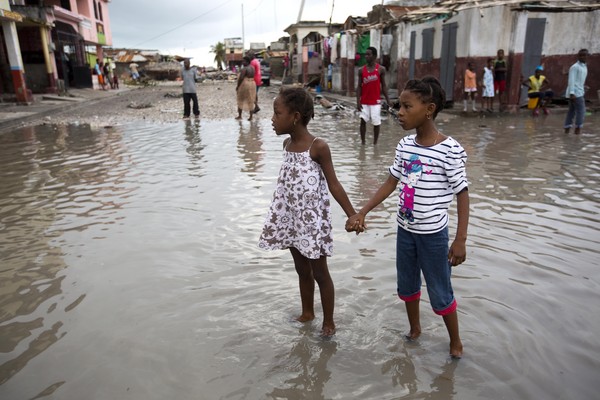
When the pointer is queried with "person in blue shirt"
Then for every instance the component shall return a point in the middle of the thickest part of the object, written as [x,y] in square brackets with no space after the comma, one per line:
[575,92]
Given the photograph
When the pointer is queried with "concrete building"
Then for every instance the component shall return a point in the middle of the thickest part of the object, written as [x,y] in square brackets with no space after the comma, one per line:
[306,48]
[59,41]
[234,52]
[12,70]
[440,40]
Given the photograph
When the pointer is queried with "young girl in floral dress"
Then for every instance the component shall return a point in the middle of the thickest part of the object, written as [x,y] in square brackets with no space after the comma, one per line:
[299,218]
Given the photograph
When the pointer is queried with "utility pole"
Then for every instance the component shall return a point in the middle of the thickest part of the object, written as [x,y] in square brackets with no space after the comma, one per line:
[300,13]
[243,33]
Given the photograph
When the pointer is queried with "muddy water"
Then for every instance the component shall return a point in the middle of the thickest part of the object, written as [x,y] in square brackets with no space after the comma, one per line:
[129,268]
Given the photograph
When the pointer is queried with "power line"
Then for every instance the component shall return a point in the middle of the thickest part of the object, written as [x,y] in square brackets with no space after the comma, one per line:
[184,24]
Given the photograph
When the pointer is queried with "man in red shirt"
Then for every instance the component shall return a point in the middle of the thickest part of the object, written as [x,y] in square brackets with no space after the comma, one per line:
[257,78]
[371,83]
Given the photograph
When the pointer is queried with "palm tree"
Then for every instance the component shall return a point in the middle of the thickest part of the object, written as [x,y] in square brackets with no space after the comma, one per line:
[219,50]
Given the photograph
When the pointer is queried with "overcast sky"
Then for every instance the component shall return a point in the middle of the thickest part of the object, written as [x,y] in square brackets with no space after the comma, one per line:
[190,27]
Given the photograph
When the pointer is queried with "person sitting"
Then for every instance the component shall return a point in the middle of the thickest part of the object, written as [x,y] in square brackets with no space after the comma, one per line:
[536,84]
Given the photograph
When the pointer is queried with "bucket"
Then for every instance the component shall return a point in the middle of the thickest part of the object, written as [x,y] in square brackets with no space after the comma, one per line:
[318,88]
[532,103]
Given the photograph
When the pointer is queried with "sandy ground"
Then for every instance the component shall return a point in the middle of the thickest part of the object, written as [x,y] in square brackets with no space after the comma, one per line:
[162,103]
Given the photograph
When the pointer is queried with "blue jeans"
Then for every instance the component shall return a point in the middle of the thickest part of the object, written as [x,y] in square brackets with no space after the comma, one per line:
[427,253]
[577,111]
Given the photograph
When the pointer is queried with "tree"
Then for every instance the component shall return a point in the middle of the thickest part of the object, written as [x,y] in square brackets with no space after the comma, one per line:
[219,50]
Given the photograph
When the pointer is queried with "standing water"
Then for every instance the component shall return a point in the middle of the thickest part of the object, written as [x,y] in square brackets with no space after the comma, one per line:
[130,267]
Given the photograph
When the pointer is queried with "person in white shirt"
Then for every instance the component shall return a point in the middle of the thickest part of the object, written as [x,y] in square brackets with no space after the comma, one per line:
[575,92]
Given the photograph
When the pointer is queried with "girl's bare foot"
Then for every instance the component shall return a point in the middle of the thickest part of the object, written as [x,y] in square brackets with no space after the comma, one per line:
[456,349]
[305,317]
[413,334]
[327,331]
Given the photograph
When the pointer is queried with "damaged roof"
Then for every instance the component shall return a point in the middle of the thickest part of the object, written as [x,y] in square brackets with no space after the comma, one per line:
[449,8]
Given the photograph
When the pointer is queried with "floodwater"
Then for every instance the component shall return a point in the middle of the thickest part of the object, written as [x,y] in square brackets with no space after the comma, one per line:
[130,267]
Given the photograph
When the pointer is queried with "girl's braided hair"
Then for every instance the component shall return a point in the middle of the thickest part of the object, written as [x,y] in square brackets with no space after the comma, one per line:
[299,100]
[429,90]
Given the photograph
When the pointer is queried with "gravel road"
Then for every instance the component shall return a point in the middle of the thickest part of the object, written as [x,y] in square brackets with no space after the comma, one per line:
[161,103]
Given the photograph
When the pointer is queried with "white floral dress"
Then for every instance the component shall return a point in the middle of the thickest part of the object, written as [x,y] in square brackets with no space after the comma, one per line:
[299,215]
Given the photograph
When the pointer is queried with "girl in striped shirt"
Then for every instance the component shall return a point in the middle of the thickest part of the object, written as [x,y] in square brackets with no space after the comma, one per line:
[430,168]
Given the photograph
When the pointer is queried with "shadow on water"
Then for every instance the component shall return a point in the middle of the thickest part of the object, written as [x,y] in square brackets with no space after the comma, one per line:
[129,256]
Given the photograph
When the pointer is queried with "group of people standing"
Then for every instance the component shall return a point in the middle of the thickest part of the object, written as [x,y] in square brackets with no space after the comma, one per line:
[429,167]
[106,73]
[492,83]
[248,84]
[539,93]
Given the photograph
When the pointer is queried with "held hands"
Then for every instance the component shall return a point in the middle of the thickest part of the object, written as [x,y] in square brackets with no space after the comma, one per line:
[356,223]
[457,253]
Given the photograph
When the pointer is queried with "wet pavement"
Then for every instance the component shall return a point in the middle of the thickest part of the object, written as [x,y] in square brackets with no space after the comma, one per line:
[130,265]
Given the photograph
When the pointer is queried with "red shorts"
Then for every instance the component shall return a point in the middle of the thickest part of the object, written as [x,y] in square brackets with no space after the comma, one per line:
[500,86]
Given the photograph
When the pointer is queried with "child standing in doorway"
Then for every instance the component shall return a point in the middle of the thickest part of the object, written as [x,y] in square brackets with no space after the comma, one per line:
[470,86]
[299,218]
[487,84]
[430,167]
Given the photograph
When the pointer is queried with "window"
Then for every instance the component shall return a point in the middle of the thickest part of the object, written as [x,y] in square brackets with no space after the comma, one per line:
[427,53]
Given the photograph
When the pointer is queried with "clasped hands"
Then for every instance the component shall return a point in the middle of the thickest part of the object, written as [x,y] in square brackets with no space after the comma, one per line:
[356,223]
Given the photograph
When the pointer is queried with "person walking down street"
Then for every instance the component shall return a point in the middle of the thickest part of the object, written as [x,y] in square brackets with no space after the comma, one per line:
[299,218]
[500,70]
[99,69]
[470,86]
[286,65]
[246,89]
[487,85]
[575,92]
[115,76]
[107,73]
[188,75]
[257,77]
[537,84]
[133,68]
[431,170]
[371,84]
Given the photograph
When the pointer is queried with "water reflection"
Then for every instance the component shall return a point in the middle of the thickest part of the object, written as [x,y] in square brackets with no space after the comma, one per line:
[307,361]
[195,147]
[53,180]
[250,146]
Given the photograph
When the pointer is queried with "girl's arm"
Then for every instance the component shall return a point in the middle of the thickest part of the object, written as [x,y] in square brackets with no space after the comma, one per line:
[322,155]
[357,221]
[458,250]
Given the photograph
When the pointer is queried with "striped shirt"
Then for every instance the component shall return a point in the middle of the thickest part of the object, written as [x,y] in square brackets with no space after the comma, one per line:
[429,178]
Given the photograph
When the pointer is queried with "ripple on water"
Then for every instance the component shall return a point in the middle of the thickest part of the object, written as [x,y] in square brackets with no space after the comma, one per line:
[134,248]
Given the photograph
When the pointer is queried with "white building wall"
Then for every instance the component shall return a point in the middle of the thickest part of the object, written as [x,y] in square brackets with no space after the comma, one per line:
[566,33]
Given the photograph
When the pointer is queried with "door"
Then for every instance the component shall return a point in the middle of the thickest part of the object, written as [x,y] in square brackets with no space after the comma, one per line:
[448,59]
[532,51]
[411,59]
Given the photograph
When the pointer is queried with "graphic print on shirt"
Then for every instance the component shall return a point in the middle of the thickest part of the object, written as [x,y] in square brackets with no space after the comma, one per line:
[413,169]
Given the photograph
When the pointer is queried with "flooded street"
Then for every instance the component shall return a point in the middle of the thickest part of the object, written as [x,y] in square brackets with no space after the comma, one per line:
[130,267]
